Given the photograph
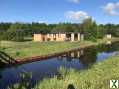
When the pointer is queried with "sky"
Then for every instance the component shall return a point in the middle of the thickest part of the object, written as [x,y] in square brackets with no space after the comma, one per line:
[57,11]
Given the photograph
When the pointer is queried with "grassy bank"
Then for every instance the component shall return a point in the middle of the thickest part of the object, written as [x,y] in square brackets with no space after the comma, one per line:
[96,77]
[31,49]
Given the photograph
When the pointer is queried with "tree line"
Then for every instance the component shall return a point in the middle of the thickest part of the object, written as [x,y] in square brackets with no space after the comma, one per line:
[18,31]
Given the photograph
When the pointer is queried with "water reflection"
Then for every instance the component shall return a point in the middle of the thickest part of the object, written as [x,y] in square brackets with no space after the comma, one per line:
[89,55]
[84,56]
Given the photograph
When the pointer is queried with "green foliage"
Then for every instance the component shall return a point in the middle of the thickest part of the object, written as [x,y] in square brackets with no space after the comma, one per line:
[100,31]
[92,38]
[13,36]
[4,26]
[17,53]
[89,29]
[16,26]
[65,27]
[19,36]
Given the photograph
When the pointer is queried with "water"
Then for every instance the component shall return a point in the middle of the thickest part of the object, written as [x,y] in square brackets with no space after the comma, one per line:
[78,60]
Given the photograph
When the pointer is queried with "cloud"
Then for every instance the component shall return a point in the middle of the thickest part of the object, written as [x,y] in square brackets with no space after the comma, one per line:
[78,15]
[111,9]
[41,21]
[75,1]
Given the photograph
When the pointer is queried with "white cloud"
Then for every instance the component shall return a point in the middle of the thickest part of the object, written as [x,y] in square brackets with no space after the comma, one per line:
[111,9]
[79,15]
[41,21]
[75,1]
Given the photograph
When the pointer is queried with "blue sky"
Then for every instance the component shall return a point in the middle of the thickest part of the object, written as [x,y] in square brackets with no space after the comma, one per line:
[55,11]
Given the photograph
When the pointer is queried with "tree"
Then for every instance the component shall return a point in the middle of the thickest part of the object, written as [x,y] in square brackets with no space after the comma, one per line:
[100,31]
[17,26]
[89,29]
[65,27]
[40,28]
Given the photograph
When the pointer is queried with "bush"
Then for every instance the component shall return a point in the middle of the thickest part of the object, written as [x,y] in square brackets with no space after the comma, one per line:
[13,36]
[17,53]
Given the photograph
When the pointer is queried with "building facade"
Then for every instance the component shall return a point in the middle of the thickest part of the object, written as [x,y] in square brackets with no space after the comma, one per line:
[58,37]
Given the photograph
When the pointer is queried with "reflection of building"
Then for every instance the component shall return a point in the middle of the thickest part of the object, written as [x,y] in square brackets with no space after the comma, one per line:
[58,37]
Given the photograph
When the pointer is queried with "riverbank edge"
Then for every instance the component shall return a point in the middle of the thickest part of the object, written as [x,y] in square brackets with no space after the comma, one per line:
[42,57]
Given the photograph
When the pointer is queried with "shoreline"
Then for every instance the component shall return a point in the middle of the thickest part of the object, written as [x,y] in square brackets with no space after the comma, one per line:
[45,57]
[55,54]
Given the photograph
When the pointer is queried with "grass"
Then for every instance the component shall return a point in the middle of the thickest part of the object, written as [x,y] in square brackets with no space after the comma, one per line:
[31,49]
[96,77]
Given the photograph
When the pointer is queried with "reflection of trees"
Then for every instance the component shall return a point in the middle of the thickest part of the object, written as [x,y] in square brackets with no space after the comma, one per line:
[90,53]
[108,48]
[2,65]
[89,56]
[0,73]
[0,76]
[115,46]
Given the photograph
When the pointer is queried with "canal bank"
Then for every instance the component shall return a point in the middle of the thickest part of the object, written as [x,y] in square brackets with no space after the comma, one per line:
[82,45]
[56,50]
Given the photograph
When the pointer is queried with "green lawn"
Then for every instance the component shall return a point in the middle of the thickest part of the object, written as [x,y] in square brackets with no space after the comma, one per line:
[29,49]
[96,77]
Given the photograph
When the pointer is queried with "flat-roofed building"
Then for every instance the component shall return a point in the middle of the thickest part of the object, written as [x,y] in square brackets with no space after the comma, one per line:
[69,36]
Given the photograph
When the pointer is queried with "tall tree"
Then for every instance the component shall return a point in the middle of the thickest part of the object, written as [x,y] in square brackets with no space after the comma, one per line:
[89,29]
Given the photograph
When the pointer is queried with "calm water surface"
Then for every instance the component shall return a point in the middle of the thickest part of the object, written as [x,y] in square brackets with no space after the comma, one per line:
[78,60]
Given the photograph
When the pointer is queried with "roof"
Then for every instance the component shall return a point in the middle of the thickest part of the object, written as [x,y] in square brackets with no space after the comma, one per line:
[58,33]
